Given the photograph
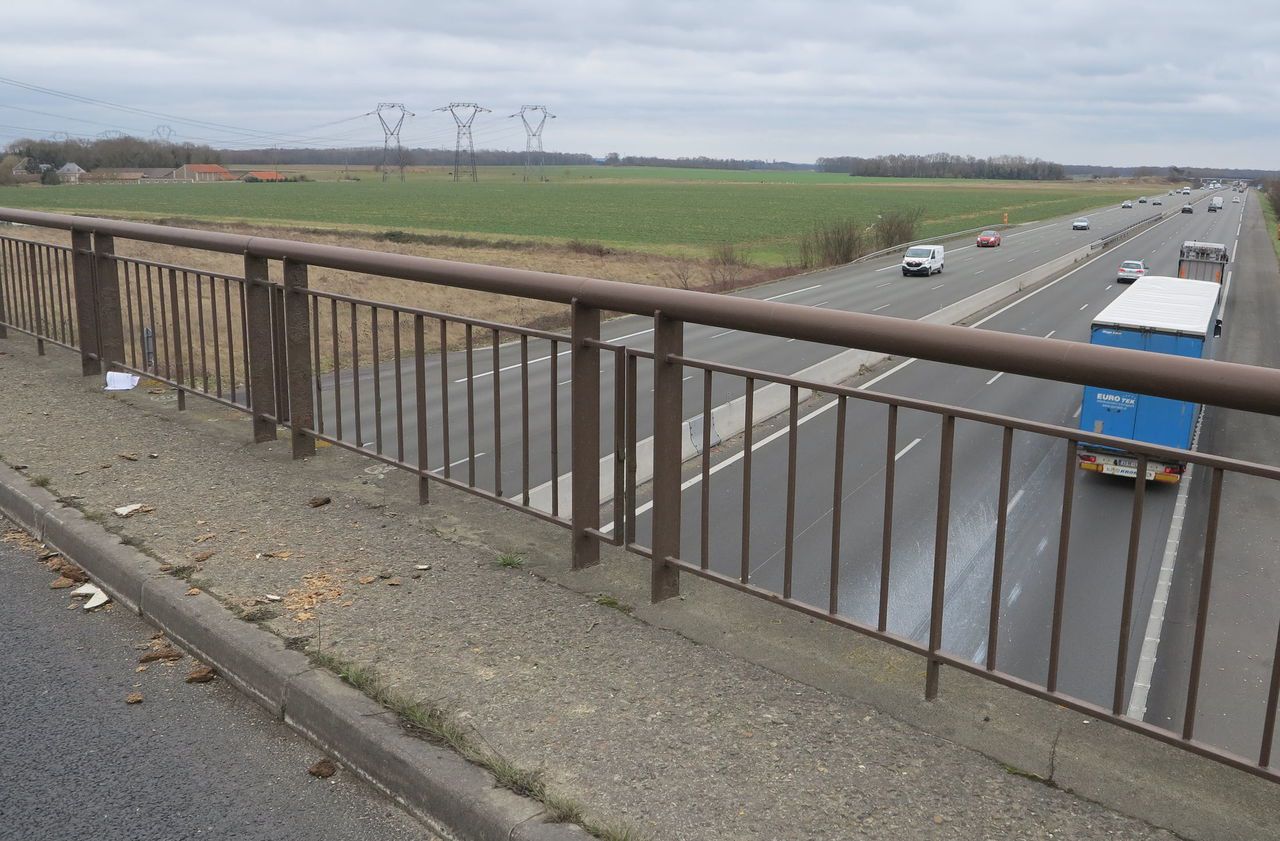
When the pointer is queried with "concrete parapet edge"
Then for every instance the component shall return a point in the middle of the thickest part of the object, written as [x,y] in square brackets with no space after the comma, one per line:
[455,798]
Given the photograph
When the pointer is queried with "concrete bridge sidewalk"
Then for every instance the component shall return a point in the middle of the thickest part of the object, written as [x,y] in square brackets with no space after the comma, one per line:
[472,611]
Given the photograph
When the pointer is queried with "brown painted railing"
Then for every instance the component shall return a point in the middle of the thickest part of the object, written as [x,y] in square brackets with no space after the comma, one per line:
[325,365]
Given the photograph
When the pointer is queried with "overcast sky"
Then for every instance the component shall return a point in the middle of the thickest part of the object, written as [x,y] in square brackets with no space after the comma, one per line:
[1090,81]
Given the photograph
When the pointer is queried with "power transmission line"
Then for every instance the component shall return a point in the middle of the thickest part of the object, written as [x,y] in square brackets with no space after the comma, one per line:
[464,114]
[534,118]
[391,115]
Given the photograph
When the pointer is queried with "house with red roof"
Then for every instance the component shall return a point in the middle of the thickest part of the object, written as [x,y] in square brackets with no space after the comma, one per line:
[263,175]
[203,172]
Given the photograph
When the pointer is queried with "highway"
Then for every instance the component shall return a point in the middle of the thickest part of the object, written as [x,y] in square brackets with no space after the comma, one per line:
[874,287]
[1100,524]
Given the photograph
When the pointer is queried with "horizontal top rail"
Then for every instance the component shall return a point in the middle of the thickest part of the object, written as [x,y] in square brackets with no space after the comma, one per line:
[1227,384]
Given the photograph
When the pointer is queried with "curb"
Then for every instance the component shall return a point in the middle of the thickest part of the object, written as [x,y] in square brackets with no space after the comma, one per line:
[453,797]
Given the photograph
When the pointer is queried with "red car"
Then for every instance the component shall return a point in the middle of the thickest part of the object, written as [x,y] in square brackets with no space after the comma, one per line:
[988,239]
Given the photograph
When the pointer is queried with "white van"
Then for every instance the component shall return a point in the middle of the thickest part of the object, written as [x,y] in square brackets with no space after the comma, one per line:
[922,259]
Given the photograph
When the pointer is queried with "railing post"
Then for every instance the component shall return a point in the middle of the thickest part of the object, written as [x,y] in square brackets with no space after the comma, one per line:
[106,287]
[297,340]
[37,302]
[279,355]
[585,388]
[86,302]
[668,390]
[941,530]
[262,387]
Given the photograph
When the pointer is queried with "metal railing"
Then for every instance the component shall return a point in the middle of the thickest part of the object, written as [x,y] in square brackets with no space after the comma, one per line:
[400,385]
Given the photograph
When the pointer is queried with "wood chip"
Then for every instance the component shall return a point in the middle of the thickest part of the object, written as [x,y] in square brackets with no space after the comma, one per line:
[133,698]
[200,674]
[324,769]
[127,456]
[368,579]
[165,653]
[318,501]
[194,591]
[200,557]
[204,537]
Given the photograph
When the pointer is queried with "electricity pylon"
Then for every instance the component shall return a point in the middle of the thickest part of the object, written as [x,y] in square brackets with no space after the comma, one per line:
[533,135]
[464,114]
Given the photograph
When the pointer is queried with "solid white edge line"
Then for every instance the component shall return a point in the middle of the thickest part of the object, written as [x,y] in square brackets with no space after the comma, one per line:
[1137,708]
[794,292]
[996,377]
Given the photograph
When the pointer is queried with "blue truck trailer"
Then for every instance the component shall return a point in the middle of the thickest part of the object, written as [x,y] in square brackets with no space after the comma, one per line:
[1159,315]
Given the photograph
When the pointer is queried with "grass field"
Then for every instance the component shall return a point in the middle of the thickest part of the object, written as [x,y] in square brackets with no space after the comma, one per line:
[676,212]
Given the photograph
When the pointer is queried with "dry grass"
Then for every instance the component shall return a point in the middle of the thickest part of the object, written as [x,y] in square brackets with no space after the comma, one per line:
[146,294]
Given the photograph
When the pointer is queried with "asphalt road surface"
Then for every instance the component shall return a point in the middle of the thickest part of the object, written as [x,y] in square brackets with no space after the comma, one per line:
[190,761]
[496,463]
[1101,505]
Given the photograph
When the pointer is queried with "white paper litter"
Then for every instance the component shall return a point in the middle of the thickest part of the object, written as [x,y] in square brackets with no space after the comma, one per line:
[127,510]
[121,381]
[97,598]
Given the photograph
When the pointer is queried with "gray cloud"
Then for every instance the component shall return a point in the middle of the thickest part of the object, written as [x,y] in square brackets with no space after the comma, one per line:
[1089,81]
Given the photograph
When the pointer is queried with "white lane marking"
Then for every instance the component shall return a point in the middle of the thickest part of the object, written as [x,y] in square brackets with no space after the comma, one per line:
[979,271]
[565,382]
[1154,250]
[1014,593]
[877,309]
[996,377]
[1037,251]
[686,379]
[1155,621]
[1016,499]
[1226,290]
[515,365]
[724,333]
[1076,413]
[1108,289]
[906,449]
[820,304]
[936,288]
[1049,335]
[882,285]
[736,457]
[1040,547]
[1010,260]
[456,463]
[886,268]
[795,292]
[1083,308]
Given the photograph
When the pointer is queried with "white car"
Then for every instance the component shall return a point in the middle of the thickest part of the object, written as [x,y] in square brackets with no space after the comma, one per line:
[1130,270]
[1126,204]
[1235,200]
[1081,224]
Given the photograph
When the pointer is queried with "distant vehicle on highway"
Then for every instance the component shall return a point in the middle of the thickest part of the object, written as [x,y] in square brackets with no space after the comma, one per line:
[1081,224]
[1160,315]
[1127,203]
[1142,200]
[1186,191]
[922,260]
[1156,201]
[1235,200]
[1130,270]
[1186,208]
[988,239]
[1215,204]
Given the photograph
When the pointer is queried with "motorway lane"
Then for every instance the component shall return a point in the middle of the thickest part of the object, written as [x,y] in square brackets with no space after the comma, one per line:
[189,761]
[874,287]
[1245,608]
[1100,525]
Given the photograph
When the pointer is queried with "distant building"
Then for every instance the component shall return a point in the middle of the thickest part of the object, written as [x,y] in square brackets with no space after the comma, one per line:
[113,174]
[69,173]
[263,175]
[203,172]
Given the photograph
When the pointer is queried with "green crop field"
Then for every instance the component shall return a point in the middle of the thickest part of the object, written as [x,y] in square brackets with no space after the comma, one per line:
[648,209]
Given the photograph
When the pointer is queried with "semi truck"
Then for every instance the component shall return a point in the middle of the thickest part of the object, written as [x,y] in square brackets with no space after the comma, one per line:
[1158,315]
[1202,260]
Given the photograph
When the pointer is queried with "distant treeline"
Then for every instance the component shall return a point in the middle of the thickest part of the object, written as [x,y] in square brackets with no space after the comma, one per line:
[942,165]
[700,162]
[113,152]
[372,156]
[1176,173]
